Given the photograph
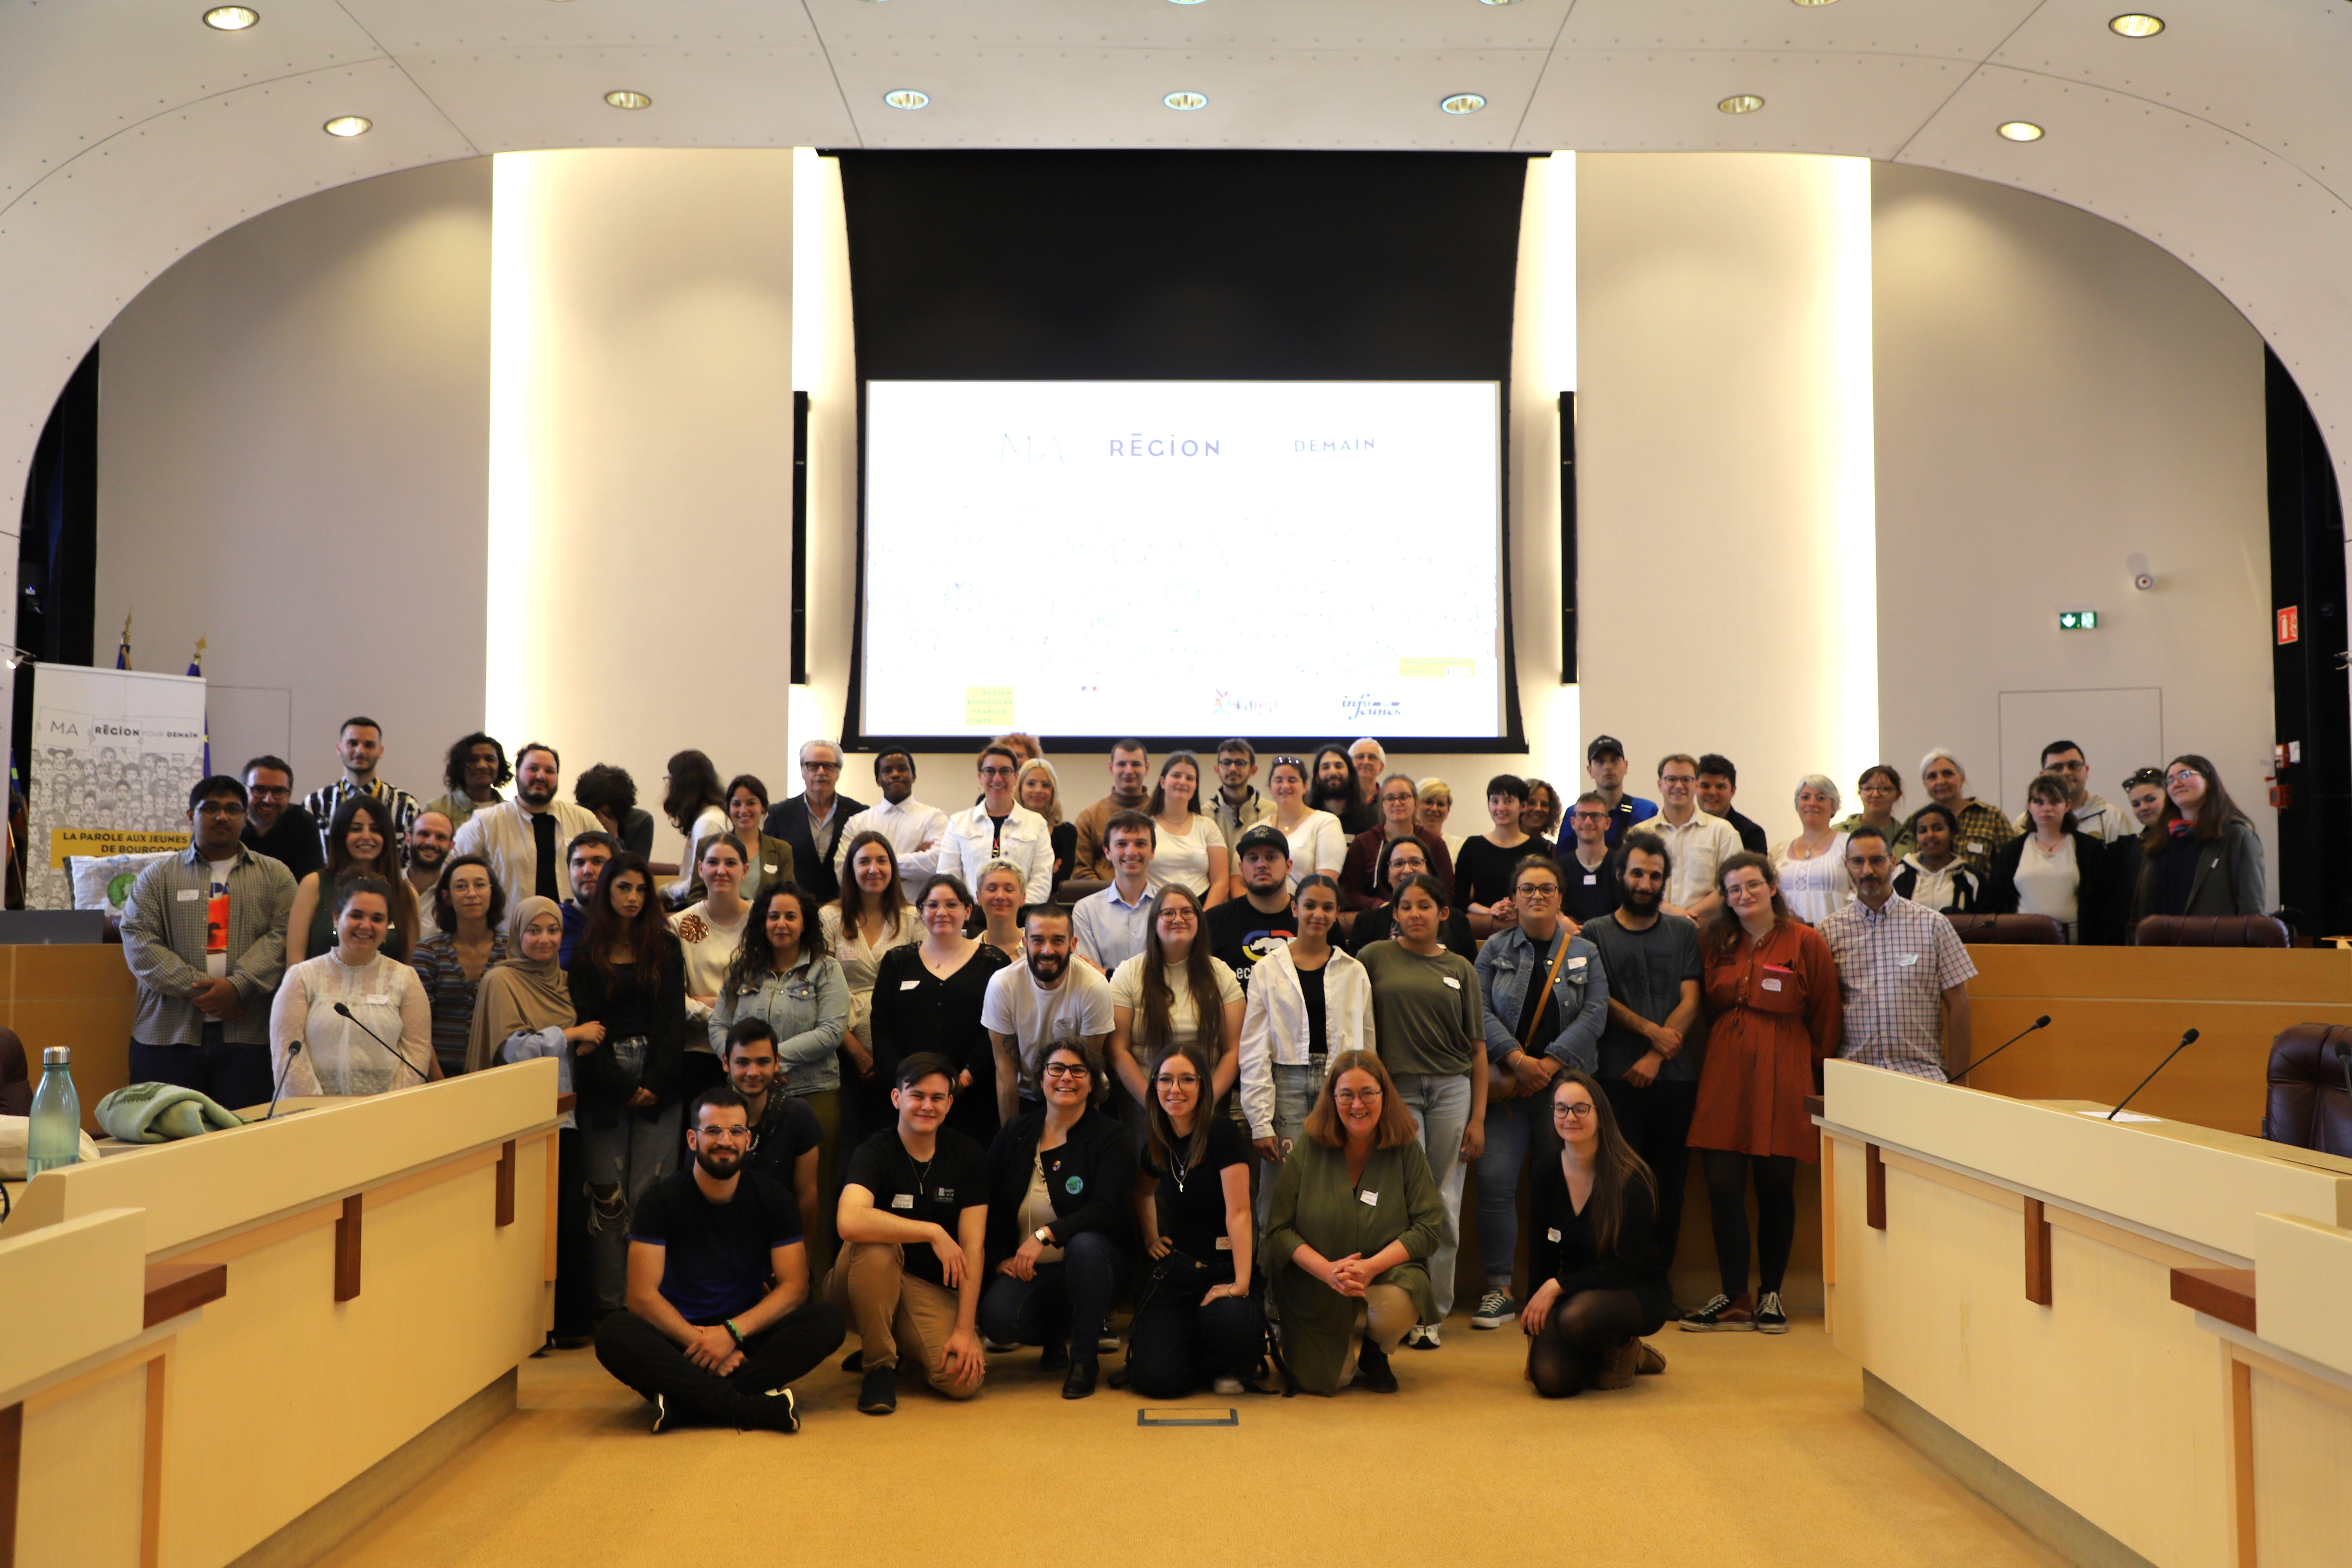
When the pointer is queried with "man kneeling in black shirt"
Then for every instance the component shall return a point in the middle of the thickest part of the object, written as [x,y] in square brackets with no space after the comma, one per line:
[719,1317]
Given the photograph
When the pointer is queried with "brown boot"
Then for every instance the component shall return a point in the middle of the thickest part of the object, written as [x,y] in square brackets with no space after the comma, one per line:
[1617,1366]
[1651,1360]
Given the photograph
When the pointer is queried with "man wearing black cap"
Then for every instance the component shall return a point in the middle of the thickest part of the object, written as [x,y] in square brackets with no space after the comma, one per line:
[1604,760]
[1243,931]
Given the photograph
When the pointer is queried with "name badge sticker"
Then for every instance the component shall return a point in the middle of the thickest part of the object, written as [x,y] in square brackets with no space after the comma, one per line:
[1905,960]
[1575,964]
[1770,984]
[1224,1244]
[1451,984]
[909,985]
[187,894]
[1369,1199]
[902,1201]
[1976,847]
[1552,1235]
[1592,879]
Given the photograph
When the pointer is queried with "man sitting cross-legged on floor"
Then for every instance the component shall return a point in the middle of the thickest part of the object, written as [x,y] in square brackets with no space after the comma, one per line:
[719,1317]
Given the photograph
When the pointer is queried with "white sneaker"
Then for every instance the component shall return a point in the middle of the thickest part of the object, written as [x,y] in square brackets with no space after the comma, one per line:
[1108,1342]
[1226,1385]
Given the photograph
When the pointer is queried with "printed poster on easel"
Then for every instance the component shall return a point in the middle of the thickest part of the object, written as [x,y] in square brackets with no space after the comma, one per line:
[114,754]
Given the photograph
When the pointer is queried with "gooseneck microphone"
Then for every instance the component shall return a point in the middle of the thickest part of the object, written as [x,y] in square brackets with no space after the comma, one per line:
[2041,1023]
[2186,1041]
[293,1050]
[387,1045]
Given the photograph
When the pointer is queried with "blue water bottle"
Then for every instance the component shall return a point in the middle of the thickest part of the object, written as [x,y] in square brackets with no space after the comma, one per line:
[55,1137]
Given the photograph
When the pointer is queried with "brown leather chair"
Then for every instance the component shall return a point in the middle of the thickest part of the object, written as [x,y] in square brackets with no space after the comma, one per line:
[1077,887]
[2211,930]
[15,1077]
[2307,1106]
[2010,931]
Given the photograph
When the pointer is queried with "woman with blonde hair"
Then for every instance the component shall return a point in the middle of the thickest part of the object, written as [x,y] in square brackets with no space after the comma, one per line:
[1349,1232]
[1039,787]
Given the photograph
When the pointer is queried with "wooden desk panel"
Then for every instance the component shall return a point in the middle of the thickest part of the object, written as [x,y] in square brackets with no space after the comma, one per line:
[2116,1011]
[79,995]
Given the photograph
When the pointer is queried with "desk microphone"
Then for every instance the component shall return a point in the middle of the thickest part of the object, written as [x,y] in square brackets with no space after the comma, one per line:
[2186,1041]
[292,1050]
[2041,1023]
[403,1062]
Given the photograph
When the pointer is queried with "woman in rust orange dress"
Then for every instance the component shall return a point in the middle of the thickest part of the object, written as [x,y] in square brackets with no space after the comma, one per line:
[1772,991]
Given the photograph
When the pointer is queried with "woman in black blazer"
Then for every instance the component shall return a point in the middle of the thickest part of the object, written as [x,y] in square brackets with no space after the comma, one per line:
[2057,870]
[1061,1213]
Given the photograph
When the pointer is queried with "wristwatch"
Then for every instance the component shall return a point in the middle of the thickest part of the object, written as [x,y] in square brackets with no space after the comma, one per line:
[1045,1235]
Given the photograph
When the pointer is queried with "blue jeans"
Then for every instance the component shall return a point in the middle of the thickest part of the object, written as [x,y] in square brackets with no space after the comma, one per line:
[1441,1112]
[1295,1088]
[235,1077]
[630,1155]
[1512,1129]
[1067,1301]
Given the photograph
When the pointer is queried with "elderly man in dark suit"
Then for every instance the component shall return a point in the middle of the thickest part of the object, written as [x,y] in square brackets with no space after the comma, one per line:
[812,821]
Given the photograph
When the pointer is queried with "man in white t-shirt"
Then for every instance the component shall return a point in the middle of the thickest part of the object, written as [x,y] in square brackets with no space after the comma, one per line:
[1042,1003]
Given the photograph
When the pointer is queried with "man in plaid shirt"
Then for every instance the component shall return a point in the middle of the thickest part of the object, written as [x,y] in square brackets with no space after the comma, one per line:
[1982,828]
[1902,970]
[205,934]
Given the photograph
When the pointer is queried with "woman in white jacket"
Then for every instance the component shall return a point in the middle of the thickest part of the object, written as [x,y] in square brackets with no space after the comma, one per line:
[1307,1002]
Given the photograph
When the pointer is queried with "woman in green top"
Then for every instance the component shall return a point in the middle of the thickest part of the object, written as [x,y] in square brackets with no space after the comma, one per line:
[1353,1220]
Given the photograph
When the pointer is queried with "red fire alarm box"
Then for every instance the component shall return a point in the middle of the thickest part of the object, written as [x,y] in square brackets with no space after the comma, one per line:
[2289,625]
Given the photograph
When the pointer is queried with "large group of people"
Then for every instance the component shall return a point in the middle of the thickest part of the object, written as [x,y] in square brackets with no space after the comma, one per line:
[969,1081]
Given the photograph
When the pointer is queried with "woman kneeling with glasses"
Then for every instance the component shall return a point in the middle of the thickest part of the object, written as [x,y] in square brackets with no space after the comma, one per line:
[1591,1247]
[1196,1320]
[1348,1233]
[1060,1183]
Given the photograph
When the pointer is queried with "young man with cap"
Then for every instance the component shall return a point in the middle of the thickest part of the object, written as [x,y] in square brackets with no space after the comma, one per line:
[719,1319]
[1604,762]
[1245,929]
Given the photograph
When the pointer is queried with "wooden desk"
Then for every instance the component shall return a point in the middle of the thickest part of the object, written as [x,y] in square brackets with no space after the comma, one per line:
[2115,1011]
[76,996]
[2006,1272]
[386,1264]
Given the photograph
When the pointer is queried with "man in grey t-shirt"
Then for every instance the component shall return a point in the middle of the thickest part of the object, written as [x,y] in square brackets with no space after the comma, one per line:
[1651,1051]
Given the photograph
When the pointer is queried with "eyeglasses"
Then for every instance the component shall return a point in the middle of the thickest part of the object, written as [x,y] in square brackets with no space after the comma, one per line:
[726,1134]
[1535,890]
[1178,913]
[996,773]
[2178,774]
[1570,1112]
[1294,762]
[1588,816]
[1066,1069]
[1357,1096]
[2144,776]
[820,768]
[220,808]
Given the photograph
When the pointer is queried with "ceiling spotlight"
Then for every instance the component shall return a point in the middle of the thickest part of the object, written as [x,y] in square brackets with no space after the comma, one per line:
[348,126]
[1498,2]
[2021,131]
[1816,2]
[231,18]
[1186,101]
[1741,103]
[628,98]
[1463,103]
[2136,25]
[1183,2]
[906,98]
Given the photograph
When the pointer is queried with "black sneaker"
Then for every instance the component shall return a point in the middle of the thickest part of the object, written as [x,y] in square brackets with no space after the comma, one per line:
[663,1420]
[783,1413]
[1372,1369]
[879,1394]
[1054,1358]
[853,1362]
[1770,1317]
[1720,1314]
[1495,1309]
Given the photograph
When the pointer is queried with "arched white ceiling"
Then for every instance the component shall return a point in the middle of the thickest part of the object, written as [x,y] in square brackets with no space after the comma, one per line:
[130,132]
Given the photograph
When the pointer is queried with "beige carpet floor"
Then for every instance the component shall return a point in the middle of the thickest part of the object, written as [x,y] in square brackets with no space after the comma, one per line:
[1749,1451]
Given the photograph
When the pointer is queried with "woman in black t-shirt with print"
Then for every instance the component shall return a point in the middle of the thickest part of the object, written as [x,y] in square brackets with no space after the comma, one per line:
[1196,1320]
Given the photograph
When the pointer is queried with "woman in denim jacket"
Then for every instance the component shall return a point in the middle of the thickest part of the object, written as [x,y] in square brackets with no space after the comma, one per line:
[1564,1033]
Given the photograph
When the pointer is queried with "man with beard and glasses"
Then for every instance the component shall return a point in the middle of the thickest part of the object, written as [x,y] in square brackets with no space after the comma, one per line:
[429,851]
[1902,970]
[523,838]
[1043,1002]
[909,825]
[719,1317]
[1656,1037]
[274,825]
[1245,929]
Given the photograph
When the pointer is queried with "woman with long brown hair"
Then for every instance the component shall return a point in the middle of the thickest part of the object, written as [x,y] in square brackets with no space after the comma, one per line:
[361,842]
[695,806]
[1591,1249]
[871,917]
[1349,1231]
[2200,856]
[1771,990]
[1196,1318]
[1174,993]
[626,974]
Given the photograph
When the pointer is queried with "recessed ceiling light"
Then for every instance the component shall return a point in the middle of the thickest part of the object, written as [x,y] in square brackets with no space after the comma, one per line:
[1463,103]
[2136,25]
[348,126]
[906,98]
[1183,2]
[1816,2]
[628,98]
[232,18]
[1741,103]
[2021,131]
[1498,2]
[1187,101]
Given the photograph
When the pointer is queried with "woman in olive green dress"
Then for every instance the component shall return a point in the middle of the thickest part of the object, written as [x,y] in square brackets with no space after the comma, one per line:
[1350,1229]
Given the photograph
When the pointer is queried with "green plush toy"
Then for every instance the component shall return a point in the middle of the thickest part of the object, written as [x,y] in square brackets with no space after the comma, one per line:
[160,1112]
